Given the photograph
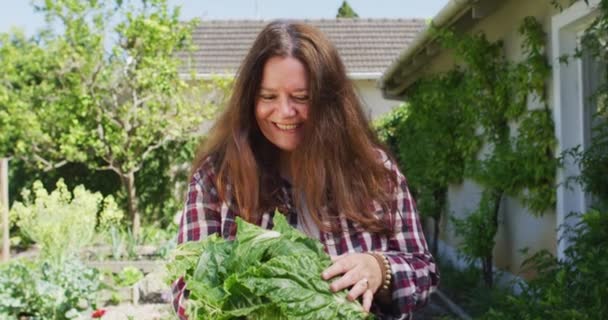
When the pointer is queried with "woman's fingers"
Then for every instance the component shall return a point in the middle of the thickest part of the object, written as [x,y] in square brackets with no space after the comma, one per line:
[340,266]
[368,297]
[358,289]
[348,280]
[360,273]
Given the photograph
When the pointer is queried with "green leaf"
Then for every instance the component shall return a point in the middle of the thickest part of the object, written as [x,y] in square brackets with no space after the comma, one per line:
[262,274]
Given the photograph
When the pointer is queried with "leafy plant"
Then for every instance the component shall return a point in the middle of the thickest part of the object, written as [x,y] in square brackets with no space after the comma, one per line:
[128,276]
[43,290]
[523,166]
[571,288]
[60,222]
[478,231]
[450,116]
[263,274]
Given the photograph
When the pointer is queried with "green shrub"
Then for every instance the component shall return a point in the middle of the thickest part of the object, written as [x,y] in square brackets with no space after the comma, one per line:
[572,288]
[128,276]
[61,223]
[43,290]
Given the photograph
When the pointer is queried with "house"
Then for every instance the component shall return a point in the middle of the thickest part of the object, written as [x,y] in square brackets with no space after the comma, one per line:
[567,87]
[367,47]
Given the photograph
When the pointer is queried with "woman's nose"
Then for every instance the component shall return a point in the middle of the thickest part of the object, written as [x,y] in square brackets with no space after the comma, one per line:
[286,108]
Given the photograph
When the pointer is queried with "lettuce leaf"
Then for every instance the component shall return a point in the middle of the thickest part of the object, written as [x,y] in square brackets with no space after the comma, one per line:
[262,274]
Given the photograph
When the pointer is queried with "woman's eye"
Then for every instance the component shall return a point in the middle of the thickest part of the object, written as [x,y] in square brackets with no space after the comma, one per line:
[267,97]
[301,98]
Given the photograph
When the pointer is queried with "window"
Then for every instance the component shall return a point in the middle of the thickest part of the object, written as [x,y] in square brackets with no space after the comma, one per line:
[595,119]
[575,106]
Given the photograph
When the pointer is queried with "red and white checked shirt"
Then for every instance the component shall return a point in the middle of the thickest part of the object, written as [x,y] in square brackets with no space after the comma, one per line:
[414,273]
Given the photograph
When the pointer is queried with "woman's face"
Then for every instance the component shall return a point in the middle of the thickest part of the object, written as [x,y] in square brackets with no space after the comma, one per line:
[282,102]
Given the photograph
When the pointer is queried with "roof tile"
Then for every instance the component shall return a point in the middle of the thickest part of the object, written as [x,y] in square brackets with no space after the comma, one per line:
[365,45]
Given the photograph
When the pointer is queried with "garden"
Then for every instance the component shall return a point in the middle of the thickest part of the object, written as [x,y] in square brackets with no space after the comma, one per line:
[99,128]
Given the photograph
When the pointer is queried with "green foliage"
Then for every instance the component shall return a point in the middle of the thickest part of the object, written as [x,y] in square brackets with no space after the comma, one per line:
[433,137]
[439,128]
[465,288]
[44,290]
[160,182]
[345,11]
[594,164]
[69,99]
[263,274]
[523,166]
[594,37]
[450,116]
[128,276]
[572,288]
[478,229]
[61,222]
[533,181]
[387,125]
[594,159]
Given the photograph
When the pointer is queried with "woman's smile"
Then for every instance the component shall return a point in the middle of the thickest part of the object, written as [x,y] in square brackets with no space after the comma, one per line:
[288,127]
[282,104]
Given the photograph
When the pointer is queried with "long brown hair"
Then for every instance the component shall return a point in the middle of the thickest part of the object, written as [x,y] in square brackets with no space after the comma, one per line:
[336,166]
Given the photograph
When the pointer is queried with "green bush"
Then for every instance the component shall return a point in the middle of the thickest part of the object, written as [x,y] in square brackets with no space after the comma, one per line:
[128,276]
[43,290]
[160,195]
[572,288]
[61,223]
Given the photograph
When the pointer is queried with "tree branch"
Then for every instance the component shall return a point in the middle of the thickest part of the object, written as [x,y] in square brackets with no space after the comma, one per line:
[149,150]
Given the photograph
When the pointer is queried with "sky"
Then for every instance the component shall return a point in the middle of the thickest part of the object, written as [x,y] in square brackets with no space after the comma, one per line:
[20,13]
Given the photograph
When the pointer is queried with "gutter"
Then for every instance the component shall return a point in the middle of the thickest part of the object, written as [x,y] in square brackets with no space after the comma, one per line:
[446,16]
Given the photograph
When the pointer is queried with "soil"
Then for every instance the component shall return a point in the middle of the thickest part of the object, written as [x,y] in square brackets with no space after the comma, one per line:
[139,312]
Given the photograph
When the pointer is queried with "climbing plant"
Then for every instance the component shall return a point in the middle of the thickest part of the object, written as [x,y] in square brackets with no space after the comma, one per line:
[594,160]
[574,287]
[432,139]
[521,164]
[451,116]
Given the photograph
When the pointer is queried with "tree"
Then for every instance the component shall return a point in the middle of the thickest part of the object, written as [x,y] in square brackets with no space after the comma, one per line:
[345,11]
[71,100]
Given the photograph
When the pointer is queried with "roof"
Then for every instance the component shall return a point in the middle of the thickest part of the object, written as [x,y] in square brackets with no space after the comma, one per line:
[404,70]
[367,46]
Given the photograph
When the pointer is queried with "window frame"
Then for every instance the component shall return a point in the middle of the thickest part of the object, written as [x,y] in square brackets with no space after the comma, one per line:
[570,123]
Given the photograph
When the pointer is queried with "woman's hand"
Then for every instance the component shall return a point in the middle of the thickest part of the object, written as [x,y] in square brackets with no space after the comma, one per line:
[361,272]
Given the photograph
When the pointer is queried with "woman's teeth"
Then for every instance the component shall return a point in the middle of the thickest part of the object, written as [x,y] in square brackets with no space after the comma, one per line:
[286,126]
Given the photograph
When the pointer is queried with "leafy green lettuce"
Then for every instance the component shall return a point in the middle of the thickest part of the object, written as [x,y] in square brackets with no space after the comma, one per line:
[262,274]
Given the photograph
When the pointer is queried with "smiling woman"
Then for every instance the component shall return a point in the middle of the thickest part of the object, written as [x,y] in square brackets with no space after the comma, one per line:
[294,137]
[282,106]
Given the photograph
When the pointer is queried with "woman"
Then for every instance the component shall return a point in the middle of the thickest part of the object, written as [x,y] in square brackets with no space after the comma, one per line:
[294,137]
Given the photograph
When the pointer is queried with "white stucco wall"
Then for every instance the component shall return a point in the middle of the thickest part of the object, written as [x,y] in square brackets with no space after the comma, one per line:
[372,98]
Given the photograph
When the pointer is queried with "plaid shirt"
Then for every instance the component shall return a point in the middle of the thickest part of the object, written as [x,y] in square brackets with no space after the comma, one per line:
[414,274]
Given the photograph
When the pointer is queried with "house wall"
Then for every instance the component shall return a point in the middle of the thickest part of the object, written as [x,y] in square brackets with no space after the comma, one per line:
[372,98]
[518,229]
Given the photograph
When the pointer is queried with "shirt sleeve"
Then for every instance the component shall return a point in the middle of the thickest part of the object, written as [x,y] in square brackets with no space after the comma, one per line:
[414,273]
[200,218]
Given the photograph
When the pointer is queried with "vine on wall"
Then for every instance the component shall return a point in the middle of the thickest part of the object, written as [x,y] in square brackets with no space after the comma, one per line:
[573,287]
[450,116]
[594,160]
